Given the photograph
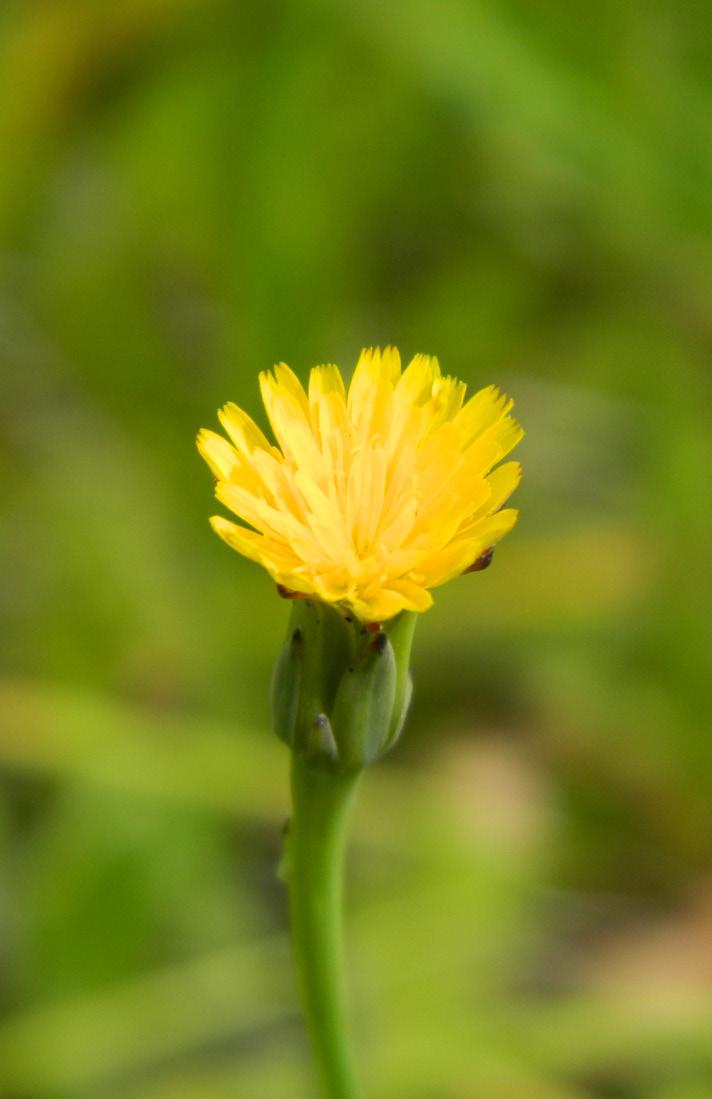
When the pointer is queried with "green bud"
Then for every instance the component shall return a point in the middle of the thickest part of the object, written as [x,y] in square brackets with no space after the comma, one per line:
[363,709]
[319,745]
[340,692]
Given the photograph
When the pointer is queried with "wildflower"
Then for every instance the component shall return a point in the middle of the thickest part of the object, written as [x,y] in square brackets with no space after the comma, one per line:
[373,496]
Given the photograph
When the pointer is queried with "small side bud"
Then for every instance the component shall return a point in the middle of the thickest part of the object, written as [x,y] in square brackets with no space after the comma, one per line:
[363,709]
[320,746]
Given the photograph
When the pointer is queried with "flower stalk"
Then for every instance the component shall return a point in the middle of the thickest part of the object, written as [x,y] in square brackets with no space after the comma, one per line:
[315,850]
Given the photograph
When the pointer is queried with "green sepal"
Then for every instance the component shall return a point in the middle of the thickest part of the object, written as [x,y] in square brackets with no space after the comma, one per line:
[400,714]
[400,631]
[328,649]
[287,686]
[363,709]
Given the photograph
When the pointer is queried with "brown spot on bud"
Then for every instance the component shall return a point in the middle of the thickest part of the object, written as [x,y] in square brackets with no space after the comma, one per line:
[286,593]
[482,562]
[372,627]
[379,643]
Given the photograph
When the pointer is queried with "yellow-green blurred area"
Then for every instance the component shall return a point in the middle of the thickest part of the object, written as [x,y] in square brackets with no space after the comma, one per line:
[191,190]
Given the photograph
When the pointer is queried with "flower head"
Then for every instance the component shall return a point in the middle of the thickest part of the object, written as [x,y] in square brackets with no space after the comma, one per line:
[374,495]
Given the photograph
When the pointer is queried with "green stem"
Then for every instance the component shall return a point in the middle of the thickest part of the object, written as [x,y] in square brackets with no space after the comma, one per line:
[320,801]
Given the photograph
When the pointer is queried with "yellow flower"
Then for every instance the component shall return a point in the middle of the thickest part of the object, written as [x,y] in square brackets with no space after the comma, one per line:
[373,496]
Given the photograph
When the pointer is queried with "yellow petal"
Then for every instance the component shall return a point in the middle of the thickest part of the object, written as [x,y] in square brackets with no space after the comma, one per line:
[415,597]
[492,529]
[486,408]
[417,381]
[255,546]
[286,381]
[369,396]
[502,483]
[243,430]
[503,436]
[448,562]
[217,452]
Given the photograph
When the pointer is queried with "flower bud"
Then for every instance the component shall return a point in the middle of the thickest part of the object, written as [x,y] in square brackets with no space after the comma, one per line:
[341,691]
[363,708]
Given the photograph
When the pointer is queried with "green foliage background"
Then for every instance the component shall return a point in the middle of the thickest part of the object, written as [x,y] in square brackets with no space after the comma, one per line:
[191,190]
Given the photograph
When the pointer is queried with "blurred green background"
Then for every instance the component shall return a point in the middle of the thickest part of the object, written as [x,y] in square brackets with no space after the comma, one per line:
[191,190]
